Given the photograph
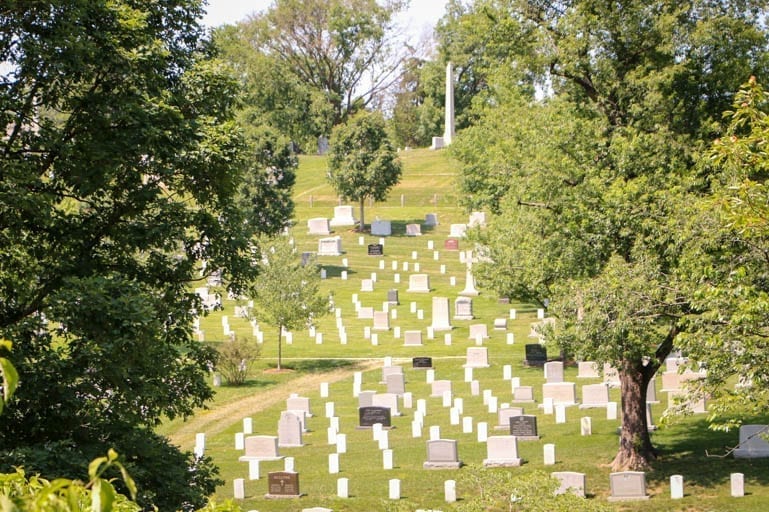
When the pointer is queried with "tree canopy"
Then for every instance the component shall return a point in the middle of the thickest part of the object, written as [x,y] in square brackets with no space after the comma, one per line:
[362,163]
[596,178]
[121,172]
[309,65]
[286,291]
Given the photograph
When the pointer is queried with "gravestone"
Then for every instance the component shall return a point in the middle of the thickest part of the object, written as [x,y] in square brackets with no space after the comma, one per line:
[477,219]
[610,375]
[387,400]
[628,486]
[391,370]
[413,230]
[260,448]
[367,285]
[554,371]
[431,219]
[375,250]
[503,417]
[442,454]
[587,370]
[500,324]
[299,403]
[594,395]
[282,484]
[523,394]
[412,338]
[365,398]
[536,355]
[318,226]
[752,444]
[562,393]
[477,357]
[457,230]
[419,283]
[501,451]
[330,246]
[422,363]
[392,297]
[366,313]
[381,228]
[381,321]
[571,481]
[369,416]
[343,216]
[463,308]
[524,427]
[451,244]
[478,330]
[441,314]
[289,430]
[396,384]
[439,387]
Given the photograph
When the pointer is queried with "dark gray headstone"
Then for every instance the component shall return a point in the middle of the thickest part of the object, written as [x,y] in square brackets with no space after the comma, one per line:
[536,355]
[524,426]
[375,249]
[368,416]
[421,362]
[392,297]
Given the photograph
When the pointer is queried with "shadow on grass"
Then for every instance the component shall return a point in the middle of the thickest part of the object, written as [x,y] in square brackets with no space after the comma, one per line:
[399,227]
[336,271]
[682,450]
[251,384]
[316,365]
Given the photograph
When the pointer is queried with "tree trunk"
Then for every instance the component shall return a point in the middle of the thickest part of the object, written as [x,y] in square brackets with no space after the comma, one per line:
[280,346]
[635,448]
[362,221]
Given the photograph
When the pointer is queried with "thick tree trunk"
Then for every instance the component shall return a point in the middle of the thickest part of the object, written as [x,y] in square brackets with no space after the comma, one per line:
[635,448]
[362,221]
[280,346]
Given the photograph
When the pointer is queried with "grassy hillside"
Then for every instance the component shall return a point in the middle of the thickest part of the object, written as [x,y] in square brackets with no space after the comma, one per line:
[428,186]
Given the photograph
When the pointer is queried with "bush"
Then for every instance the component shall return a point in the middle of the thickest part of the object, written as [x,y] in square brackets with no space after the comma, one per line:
[236,359]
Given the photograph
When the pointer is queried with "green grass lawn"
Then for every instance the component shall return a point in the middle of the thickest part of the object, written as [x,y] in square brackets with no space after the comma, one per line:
[428,186]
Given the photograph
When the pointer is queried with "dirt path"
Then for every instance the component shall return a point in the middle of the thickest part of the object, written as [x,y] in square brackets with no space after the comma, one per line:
[218,418]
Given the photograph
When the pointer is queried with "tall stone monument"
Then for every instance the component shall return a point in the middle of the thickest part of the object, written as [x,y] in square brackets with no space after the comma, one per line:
[448,133]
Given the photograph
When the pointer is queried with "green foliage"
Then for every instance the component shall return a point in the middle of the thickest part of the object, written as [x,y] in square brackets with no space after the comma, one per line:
[597,183]
[492,489]
[236,359]
[22,493]
[121,167]
[9,374]
[362,163]
[309,65]
[285,293]
[729,273]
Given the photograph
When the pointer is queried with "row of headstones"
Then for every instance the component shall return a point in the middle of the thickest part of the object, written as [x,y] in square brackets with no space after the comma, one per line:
[344,216]
[624,486]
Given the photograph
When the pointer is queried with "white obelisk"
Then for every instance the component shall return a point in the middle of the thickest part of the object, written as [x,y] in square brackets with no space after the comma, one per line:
[448,134]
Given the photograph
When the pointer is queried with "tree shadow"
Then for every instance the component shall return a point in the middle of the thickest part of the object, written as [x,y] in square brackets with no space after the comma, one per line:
[690,449]
[399,228]
[317,365]
[336,271]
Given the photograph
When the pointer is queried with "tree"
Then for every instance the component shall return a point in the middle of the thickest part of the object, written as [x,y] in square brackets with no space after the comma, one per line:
[597,182]
[345,51]
[120,167]
[273,96]
[362,163]
[285,293]
[728,272]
